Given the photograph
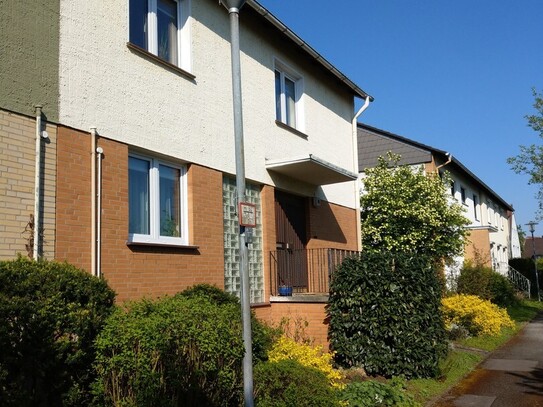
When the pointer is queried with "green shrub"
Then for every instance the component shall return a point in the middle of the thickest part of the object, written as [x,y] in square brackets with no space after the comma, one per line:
[371,393]
[263,335]
[477,279]
[385,315]
[181,350]
[474,279]
[51,313]
[502,291]
[287,383]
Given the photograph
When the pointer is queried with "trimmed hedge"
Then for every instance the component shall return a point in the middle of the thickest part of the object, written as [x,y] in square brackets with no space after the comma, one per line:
[385,315]
[51,313]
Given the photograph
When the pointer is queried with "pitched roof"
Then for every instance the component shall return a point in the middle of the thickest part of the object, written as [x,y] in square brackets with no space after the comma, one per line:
[381,141]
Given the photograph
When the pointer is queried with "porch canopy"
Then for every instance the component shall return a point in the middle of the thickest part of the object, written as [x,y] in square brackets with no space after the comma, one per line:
[312,170]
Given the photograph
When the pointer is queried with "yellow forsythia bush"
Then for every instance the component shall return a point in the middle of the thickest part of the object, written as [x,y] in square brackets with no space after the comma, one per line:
[475,314]
[307,355]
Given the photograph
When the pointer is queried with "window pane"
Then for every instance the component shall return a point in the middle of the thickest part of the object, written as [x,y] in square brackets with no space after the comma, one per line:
[138,23]
[167,30]
[170,213]
[290,97]
[278,95]
[138,196]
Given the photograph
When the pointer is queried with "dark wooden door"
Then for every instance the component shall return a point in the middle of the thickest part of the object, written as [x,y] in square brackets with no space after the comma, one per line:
[290,226]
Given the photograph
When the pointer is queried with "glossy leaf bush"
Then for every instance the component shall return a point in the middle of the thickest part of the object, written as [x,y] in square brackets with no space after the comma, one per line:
[385,315]
[50,315]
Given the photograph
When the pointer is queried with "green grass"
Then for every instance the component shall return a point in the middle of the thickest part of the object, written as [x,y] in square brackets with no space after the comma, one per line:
[461,361]
[457,364]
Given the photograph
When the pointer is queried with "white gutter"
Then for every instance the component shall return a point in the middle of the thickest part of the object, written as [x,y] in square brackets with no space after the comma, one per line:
[100,152]
[367,101]
[93,200]
[37,186]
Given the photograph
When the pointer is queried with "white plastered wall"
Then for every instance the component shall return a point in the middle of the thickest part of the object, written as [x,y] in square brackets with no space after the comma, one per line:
[139,102]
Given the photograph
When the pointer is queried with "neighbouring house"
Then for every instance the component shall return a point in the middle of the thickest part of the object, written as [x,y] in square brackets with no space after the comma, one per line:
[532,246]
[117,149]
[493,234]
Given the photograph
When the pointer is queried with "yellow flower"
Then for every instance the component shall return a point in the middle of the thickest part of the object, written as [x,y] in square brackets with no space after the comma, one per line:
[306,355]
[475,314]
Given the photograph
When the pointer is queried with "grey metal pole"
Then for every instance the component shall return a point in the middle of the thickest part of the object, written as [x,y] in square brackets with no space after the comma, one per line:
[532,230]
[233,7]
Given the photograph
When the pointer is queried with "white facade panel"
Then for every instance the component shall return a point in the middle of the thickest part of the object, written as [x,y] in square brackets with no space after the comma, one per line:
[132,99]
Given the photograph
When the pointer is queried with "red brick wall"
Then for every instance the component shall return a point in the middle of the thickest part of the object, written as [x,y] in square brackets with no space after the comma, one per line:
[73,221]
[134,271]
[332,226]
[478,246]
[313,313]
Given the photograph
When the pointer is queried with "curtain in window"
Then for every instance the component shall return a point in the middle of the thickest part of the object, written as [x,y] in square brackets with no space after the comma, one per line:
[138,196]
[170,199]
[167,30]
[290,98]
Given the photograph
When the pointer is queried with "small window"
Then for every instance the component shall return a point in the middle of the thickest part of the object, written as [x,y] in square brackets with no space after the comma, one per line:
[156,201]
[463,194]
[476,206]
[453,190]
[288,92]
[161,27]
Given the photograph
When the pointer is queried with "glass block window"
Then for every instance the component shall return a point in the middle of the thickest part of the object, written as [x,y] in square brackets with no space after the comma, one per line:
[232,280]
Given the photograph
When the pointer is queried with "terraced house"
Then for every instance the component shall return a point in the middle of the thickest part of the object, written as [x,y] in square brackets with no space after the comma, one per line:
[493,235]
[117,149]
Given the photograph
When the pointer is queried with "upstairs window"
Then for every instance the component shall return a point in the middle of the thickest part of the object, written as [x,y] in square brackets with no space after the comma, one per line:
[288,96]
[463,194]
[476,207]
[161,27]
[156,202]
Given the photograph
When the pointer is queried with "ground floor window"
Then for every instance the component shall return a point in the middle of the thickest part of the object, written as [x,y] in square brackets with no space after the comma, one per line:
[232,280]
[156,201]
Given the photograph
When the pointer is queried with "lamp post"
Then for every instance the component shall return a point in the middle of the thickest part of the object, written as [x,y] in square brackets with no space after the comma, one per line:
[532,230]
[233,7]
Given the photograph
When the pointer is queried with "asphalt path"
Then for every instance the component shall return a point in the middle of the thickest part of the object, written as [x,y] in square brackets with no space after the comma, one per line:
[510,376]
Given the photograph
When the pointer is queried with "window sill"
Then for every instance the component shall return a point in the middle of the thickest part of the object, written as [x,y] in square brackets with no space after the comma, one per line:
[291,129]
[162,244]
[146,54]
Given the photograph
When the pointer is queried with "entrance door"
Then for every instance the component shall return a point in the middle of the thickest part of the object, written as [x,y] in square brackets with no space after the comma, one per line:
[290,226]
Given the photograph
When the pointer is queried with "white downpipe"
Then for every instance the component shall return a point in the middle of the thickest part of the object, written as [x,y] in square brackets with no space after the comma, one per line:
[355,161]
[37,186]
[93,200]
[100,152]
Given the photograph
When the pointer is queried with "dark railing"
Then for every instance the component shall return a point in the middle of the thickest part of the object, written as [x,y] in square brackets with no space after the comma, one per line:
[304,271]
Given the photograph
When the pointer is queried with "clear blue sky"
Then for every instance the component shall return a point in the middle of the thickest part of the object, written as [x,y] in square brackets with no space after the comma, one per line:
[456,75]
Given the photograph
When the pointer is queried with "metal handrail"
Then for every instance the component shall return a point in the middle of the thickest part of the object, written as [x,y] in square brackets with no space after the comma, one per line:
[306,271]
[519,280]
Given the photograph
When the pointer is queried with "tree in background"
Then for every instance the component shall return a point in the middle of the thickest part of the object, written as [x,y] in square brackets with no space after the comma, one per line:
[530,159]
[405,210]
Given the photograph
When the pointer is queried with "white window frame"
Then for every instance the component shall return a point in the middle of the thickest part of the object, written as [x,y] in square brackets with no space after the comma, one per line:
[476,205]
[184,60]
[287,72]
[154,236]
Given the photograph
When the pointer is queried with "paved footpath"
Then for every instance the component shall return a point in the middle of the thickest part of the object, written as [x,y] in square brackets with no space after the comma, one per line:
[511,376]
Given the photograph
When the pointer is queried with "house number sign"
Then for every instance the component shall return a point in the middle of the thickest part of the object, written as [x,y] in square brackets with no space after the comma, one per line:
[247,214]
